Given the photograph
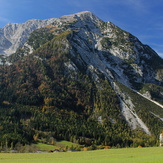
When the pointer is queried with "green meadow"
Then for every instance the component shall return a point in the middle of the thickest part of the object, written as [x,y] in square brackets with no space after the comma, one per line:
[60,144]
[126,155]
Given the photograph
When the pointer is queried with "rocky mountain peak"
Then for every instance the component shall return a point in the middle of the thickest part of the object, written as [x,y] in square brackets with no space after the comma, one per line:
[83,14]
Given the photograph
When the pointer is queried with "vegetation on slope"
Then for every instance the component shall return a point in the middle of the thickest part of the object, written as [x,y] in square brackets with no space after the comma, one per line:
[39,37]
[40,98]
[146,110]
[154,91]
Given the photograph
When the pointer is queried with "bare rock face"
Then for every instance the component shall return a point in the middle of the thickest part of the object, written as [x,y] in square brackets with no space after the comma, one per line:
[14,35]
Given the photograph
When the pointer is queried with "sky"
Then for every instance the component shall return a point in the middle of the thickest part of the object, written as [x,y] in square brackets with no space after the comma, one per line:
[142,18]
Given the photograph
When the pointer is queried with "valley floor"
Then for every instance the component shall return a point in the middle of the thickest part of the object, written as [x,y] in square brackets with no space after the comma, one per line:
[126,155]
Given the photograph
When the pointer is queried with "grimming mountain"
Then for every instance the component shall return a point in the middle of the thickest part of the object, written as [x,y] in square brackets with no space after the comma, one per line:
[80,79]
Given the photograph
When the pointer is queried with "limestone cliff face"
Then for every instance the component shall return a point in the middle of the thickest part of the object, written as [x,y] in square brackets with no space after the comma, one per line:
[14,35]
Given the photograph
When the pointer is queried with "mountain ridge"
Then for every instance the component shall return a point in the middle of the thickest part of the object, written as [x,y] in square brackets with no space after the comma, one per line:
[12,32]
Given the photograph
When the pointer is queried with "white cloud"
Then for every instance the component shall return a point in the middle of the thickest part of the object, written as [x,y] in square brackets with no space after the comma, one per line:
[160,54]
[138,6]
[3,19]
[159,26]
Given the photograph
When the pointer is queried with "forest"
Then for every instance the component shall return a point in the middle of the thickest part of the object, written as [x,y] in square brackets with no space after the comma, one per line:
[40,99]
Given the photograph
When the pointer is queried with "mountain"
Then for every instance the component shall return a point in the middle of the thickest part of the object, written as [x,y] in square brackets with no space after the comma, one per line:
[80,79]
[14,35]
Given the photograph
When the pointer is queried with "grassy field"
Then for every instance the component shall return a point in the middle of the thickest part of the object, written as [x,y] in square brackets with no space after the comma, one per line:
[130,155]
[59,144]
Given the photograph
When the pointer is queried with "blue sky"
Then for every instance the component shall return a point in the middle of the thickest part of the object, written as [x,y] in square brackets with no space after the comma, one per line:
[142,18]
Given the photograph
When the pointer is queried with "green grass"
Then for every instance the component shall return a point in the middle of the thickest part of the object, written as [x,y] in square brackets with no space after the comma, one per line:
[65,143]
[62,144]
[45,147]
[127,155]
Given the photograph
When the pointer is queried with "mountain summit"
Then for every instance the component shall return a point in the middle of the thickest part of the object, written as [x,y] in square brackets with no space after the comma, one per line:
[81,79]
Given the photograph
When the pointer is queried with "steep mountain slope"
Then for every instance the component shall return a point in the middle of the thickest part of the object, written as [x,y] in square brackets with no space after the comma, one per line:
[14,35]
[78,79]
